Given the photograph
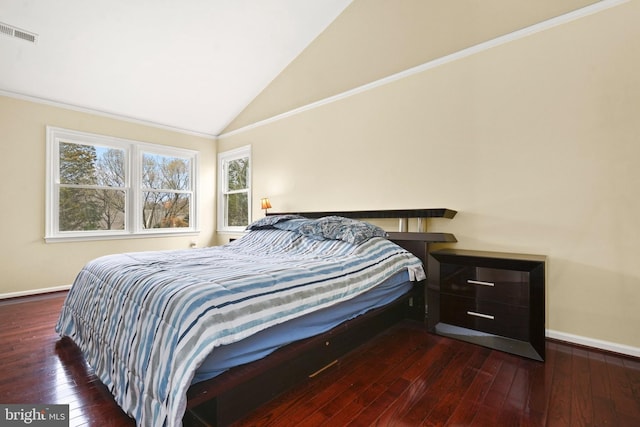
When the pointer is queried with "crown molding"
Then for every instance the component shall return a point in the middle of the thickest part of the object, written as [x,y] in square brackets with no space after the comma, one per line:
[95,112]
[481,47]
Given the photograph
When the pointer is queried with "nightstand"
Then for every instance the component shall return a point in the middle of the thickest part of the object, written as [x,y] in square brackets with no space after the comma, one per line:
[492,299]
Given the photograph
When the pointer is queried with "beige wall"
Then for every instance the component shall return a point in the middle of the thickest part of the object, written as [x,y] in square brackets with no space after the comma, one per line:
[27,263]
[534,142]
[373,39]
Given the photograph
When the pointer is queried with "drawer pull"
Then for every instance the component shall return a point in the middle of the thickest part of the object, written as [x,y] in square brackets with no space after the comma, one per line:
[478,282]
[484,316]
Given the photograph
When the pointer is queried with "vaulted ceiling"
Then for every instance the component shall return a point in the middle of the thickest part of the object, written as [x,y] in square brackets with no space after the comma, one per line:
[190,65]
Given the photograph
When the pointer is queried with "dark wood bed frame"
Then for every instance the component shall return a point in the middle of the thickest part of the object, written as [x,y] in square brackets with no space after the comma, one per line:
[234,394]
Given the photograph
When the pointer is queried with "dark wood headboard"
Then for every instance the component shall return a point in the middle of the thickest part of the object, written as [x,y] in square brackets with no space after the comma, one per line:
[387,213]
[415,242]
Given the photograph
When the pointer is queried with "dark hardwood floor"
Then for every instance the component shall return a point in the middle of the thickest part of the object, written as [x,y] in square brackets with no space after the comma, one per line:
[404,377]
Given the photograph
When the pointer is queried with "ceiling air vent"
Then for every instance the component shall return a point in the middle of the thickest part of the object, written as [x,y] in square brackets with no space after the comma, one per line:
[17,33]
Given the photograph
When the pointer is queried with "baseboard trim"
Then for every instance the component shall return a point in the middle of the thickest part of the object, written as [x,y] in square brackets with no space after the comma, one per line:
[592,342]
[33,292]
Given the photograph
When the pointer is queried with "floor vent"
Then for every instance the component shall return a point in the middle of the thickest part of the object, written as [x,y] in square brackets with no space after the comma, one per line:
[17,33]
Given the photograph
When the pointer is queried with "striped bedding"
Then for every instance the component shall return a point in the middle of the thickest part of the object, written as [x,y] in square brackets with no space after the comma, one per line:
[145,321]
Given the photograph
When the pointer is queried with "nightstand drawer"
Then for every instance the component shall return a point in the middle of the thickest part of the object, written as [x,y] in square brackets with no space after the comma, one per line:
[495,299]
[485,316]
[490,284]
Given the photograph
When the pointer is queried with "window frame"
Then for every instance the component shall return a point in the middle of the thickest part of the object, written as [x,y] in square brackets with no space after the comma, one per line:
[133,188]
[223,159]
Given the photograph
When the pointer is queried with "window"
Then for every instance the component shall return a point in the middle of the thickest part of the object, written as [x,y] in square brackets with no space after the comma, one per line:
[234,189]
[105,187]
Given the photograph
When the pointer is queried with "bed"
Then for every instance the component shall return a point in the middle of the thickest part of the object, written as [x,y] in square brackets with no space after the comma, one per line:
[212,323]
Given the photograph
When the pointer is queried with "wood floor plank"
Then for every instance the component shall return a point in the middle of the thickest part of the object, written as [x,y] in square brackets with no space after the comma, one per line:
[420,376]
[541,385]
[581,388]
[404,376]
[499,389]
[453,376]
[460,379]
[623,388]
[559,413]
[391,384]
[369,383]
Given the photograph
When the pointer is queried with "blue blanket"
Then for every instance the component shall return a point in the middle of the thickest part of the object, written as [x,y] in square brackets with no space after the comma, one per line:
[145,321]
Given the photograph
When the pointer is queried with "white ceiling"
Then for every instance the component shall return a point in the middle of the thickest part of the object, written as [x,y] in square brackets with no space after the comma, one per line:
[192,65]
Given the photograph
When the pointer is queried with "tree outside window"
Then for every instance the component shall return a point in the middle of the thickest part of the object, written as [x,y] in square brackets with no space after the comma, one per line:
[100,186]
[234,190]
[166,185]
[92,195]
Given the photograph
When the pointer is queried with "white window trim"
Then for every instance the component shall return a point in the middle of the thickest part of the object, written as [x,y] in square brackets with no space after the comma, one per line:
[133,159]
[223,157]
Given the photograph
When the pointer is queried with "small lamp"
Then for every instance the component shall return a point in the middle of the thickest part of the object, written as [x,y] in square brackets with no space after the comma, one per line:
[265,204]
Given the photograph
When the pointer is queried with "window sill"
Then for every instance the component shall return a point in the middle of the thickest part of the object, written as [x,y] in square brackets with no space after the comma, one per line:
[123,236]
[232,230]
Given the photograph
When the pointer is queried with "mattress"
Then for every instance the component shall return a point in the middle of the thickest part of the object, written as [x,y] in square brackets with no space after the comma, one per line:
[267,341]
